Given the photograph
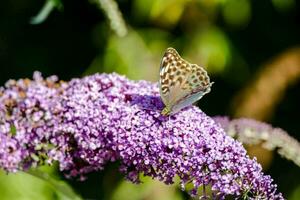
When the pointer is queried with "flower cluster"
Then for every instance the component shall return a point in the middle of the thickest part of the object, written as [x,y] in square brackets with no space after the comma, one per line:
[85,123]
[28,113]
[250,131]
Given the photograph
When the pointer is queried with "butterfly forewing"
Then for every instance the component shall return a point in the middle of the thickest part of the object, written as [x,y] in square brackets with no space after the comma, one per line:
[174,72]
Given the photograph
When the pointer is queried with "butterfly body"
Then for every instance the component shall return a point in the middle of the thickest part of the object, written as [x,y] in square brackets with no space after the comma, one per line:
[181,83]
[166,111]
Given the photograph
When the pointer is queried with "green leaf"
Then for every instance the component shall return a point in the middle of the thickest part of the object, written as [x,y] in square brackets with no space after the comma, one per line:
[13,130]
[60,186]
[148,189]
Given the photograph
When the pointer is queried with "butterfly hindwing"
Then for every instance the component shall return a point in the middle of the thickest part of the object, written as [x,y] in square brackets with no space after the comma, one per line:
[198,85]
[199,79]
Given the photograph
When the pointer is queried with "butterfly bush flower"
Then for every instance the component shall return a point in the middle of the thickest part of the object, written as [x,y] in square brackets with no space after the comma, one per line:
[250,131]
[88,122]
[28,113]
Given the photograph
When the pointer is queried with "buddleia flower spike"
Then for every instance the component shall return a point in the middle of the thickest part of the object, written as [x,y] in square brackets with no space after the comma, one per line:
[181,83]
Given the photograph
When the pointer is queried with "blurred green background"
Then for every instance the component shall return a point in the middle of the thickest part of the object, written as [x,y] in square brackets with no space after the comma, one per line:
[234,39]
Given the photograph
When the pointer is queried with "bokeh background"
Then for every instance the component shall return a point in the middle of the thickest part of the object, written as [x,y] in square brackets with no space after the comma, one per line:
[251,50]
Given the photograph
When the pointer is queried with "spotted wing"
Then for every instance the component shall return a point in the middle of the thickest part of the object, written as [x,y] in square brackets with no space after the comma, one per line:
[174,72]
[199,84]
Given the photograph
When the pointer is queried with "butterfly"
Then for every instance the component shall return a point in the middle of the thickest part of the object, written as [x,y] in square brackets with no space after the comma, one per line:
[181,83]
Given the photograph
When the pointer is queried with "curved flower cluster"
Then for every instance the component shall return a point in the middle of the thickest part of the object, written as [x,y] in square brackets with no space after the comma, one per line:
[250,131]
[88,122]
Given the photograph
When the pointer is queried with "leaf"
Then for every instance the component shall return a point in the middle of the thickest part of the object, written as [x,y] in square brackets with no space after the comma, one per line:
[59,186]
[149,189]
[13,130]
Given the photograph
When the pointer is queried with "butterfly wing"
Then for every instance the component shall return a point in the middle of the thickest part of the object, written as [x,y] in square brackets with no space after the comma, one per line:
[198,83]
[181,83]
[174,72]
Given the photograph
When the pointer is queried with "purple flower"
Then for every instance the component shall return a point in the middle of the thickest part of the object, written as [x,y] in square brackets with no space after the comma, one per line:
[103,118]
[10,153]
[250,131]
